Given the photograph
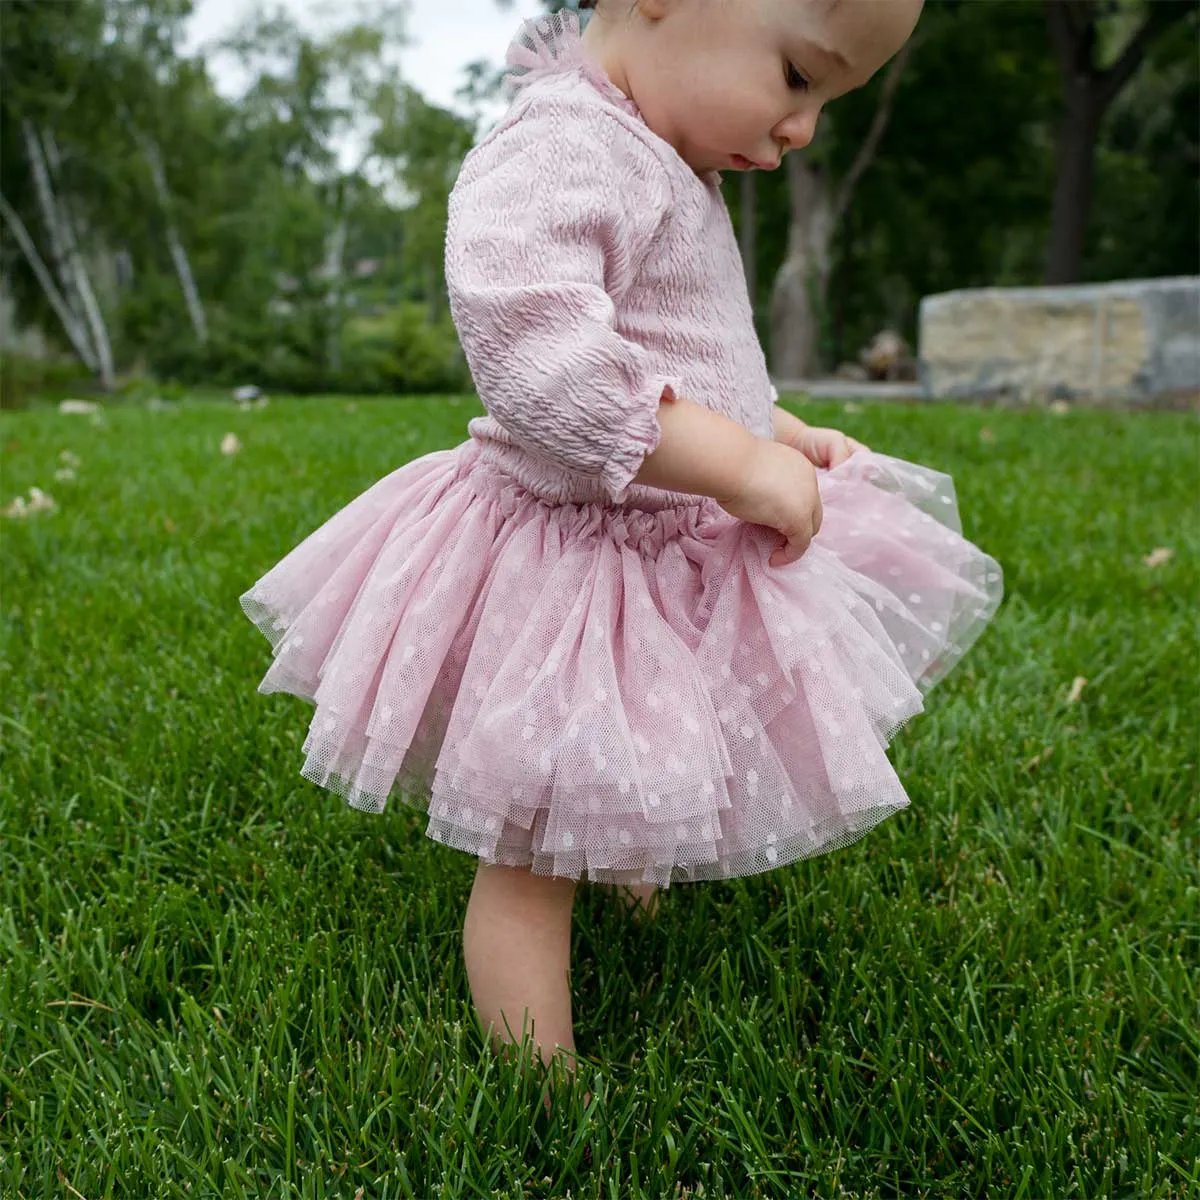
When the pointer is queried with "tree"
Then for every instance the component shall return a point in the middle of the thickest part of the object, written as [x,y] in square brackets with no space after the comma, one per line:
[311,94]
[818,206]
[50,53]
[150,82]
[1079,30]
[89,97]
[421,147]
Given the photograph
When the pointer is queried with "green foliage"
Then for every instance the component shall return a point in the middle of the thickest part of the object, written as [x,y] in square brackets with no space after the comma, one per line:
[1145,217]
[286,241]
[958,194]
[25,379]
[400,348]
[275,221]
[401,351]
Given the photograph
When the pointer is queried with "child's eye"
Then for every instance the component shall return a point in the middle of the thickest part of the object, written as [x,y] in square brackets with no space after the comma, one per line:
[795,80]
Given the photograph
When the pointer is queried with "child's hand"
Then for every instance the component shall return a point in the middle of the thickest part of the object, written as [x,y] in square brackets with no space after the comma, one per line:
[822,447]
[779,490]
[825,447]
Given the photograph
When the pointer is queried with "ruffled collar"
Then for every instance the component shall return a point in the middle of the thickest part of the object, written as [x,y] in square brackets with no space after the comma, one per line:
[552,45]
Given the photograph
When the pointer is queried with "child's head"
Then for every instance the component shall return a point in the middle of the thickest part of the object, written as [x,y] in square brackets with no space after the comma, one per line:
[735,83]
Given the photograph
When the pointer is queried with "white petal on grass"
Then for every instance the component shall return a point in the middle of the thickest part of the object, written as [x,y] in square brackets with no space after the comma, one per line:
[230,444]
[1039,758]
[38,501]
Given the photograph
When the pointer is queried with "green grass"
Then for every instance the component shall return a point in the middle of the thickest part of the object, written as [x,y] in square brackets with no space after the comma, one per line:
[217,980]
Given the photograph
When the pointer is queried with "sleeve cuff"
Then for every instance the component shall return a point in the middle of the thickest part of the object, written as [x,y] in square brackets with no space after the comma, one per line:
[641,437]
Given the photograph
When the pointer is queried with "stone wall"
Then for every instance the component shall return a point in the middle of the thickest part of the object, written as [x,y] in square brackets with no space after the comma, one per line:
[1132,342]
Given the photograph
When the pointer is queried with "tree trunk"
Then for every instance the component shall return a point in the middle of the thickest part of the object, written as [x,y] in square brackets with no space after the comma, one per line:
[1089,90]
[74,330]
[799,297]
[91,308]
[74,276]
[1074,161]
[183,266]
[52,222]
[800,285]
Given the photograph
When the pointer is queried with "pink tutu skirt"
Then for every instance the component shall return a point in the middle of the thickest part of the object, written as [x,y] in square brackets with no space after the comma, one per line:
[619,694]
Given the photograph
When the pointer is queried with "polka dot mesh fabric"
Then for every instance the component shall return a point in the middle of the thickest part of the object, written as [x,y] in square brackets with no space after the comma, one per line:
[620,694]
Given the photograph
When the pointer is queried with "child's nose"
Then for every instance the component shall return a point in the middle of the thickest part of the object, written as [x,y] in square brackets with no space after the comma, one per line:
[796,130]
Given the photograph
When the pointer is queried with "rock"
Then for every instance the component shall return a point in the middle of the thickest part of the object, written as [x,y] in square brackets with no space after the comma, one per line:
[246,393]
[1134,341]
[78,406]
[887,358]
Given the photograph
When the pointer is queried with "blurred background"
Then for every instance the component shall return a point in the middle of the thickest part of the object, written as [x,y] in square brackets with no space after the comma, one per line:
[222,192]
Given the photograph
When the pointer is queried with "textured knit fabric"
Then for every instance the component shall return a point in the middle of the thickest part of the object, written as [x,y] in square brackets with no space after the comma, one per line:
[573,672]
[589,268]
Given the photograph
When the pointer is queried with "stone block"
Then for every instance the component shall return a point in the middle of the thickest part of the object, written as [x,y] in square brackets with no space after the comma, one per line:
[1131,342]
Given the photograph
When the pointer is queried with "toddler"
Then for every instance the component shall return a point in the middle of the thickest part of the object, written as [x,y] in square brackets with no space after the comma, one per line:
[643,626]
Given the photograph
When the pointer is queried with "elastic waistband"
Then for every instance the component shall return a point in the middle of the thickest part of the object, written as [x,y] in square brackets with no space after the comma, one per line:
[646,530]
[474,460]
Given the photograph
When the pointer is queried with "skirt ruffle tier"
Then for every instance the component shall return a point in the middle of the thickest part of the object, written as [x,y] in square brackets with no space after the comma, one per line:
[616,694]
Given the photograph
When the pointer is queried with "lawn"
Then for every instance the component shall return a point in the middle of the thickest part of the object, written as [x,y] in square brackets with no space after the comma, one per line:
[218,981]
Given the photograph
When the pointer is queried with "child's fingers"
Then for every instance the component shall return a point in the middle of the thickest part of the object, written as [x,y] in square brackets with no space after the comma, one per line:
[843,449]
[791,551]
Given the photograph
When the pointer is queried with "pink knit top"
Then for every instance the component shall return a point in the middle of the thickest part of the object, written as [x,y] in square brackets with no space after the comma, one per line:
[590,270]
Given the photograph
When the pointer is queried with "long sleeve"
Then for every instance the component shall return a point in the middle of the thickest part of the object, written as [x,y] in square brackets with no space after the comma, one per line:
[548,224]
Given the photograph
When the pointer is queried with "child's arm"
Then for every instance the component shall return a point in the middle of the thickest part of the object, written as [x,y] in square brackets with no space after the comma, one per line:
[822,447]
[700,451]
[548,224]
[787,428]
[708,454]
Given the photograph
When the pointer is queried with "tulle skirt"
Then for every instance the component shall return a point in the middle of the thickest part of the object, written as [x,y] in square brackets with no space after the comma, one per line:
[616,694]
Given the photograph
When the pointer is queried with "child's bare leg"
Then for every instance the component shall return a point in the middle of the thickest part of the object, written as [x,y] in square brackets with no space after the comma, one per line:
[517,946]
[641,899]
